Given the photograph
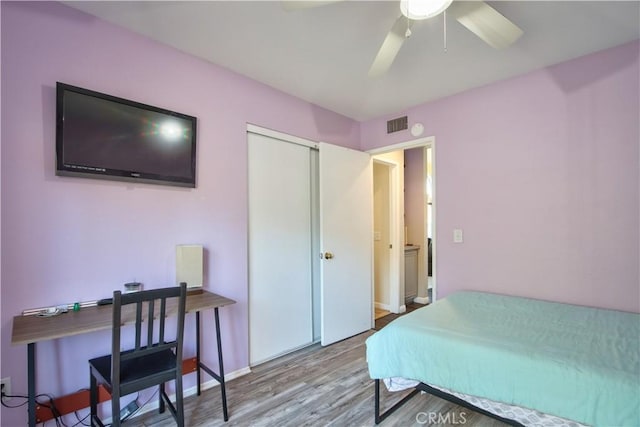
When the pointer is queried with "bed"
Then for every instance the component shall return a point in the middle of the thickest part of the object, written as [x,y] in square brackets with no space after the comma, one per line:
[565,361]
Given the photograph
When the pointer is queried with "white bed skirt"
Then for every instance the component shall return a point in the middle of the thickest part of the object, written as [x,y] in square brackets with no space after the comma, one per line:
[525,416]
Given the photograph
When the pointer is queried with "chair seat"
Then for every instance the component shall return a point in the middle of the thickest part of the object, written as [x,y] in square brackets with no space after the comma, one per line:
[138,369]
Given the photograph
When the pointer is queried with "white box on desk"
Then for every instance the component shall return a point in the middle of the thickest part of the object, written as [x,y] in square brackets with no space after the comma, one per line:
[190,265]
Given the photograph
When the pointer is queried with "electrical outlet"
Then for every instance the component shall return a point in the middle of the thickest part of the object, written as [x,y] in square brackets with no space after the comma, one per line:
[5,385]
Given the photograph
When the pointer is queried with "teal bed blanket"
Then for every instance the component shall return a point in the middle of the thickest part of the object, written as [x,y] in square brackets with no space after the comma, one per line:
[570,361]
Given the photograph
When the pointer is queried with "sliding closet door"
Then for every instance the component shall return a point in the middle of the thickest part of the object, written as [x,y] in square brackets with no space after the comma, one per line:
[280,300]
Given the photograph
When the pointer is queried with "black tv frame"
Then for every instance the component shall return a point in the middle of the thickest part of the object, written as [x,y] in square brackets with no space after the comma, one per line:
[84,171]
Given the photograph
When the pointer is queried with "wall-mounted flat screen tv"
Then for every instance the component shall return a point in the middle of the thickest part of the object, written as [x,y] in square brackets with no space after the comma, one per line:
[102,136]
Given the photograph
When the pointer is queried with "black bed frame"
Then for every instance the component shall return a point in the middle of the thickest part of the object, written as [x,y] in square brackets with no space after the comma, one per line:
[422,387]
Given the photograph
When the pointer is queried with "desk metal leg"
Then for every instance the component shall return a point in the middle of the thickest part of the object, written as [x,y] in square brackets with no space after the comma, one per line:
[222,382]
[219,376]
[198,350]
[31,382]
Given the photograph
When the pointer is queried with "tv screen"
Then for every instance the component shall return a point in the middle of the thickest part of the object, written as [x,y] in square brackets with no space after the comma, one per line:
[102,136]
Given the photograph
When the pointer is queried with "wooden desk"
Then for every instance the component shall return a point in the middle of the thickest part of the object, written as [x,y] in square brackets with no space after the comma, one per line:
[31,329]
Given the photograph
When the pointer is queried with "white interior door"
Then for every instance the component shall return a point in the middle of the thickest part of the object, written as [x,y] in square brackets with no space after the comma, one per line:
[280,305]
[346,224]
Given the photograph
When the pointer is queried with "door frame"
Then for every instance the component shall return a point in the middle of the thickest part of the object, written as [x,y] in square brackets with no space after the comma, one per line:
[396,227]
[282,136]
[397,292]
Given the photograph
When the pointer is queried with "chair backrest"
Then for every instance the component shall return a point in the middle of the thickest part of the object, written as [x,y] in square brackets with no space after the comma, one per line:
[155,307]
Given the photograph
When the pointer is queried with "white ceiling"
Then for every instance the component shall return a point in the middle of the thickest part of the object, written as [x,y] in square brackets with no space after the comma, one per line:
[323,54]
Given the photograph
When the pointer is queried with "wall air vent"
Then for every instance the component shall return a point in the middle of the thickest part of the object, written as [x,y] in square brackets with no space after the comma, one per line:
[395,125]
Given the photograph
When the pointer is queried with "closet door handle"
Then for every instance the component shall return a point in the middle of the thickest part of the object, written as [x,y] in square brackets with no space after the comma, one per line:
[328,255]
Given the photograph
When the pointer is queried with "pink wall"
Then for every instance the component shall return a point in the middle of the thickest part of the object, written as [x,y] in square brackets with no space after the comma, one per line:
[542,174]
[70,239]
[540,171]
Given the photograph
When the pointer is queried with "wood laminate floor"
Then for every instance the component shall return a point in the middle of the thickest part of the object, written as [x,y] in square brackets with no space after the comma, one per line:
[316,386]
[378,313]
[384,321]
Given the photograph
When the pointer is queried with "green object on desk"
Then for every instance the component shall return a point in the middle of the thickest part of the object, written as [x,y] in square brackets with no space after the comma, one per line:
[76,306]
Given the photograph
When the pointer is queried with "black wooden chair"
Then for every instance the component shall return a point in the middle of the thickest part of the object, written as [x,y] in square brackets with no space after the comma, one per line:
[149,363]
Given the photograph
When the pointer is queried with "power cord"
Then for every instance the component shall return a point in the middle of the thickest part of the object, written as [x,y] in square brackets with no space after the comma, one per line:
[81,420]
[140,406]
[51,406]
[57,416]
[132,413]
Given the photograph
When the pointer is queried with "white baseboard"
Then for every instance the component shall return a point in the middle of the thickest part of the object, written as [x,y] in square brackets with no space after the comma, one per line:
[382,306]
[421,300]
[212,382]
[151,406]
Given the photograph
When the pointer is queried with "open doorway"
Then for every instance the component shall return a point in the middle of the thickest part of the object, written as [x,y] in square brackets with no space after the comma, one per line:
[407,275]
[388,234]
[382,236]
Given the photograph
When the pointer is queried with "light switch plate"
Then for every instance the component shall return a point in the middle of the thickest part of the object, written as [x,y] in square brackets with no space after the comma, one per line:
[457,235]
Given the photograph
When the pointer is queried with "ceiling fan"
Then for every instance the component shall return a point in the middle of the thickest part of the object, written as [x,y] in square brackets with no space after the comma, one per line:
[477,16]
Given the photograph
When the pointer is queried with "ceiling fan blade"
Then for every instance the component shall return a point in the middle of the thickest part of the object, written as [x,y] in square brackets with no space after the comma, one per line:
[390,47]
[486,22]
[291,5]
